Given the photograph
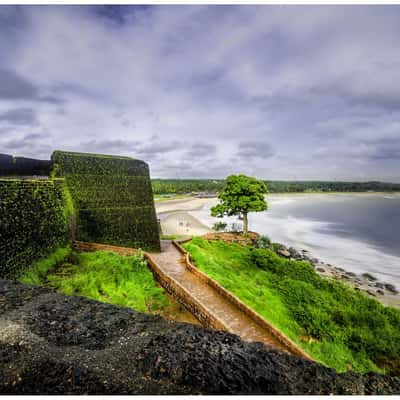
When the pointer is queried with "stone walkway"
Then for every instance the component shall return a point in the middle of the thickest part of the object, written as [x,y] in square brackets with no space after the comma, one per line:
[170,261]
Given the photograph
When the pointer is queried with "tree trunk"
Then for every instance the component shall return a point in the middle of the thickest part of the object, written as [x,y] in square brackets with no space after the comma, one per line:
[245,224]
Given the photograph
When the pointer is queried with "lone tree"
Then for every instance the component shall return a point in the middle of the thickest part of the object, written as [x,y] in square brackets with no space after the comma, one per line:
[242,194]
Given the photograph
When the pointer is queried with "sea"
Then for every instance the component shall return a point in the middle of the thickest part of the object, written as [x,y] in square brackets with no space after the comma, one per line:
[357,232]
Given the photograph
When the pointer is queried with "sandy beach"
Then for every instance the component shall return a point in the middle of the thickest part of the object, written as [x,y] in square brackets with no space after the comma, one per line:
[175,218]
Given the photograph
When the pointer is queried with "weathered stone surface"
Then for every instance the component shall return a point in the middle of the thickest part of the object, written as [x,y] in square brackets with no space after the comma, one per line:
[55,344]
[391,288]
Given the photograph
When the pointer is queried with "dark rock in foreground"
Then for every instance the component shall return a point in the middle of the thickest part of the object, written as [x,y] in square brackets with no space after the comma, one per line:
[55,344]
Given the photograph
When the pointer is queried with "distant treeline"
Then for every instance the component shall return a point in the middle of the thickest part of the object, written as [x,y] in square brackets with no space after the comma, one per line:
[180,186]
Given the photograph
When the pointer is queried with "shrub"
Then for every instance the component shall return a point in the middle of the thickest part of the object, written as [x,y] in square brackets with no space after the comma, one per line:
[263,242]
[236,227]
[220,226]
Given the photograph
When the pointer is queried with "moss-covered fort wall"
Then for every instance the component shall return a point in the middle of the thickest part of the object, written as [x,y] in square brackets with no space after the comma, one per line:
[112,197]
[34,221]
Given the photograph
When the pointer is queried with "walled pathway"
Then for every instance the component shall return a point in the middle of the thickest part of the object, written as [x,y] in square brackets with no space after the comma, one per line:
[204,301]
[170,261]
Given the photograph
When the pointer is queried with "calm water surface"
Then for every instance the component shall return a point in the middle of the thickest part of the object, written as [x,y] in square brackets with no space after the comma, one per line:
[358,232]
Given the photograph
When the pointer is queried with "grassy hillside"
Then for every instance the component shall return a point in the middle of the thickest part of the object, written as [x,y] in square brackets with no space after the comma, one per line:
[103,276]
[332,322]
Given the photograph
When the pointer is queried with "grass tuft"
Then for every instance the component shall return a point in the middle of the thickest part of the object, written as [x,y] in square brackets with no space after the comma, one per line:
[39,269]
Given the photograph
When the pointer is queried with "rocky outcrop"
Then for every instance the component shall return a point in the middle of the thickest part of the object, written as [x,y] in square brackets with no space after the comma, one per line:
[365,282]
[55,344]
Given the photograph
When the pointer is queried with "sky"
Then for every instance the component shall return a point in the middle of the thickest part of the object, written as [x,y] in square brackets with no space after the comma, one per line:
[276,92]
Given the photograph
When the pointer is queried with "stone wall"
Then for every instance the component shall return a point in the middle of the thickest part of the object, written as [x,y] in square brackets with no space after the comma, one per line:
[84,246]
[23,166]
[34,221]
[112,197]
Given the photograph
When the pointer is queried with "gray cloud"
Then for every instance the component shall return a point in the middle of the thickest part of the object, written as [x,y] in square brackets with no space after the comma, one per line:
[277,91]
[383,149]
[14,87]
[249,150]
[19,116]
[23,145]
[200,150]
[107,146]
[148,150]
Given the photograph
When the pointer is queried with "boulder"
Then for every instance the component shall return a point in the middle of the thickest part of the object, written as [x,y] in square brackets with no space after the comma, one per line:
[283,252]
[368,276]
[295,254]
[391,288]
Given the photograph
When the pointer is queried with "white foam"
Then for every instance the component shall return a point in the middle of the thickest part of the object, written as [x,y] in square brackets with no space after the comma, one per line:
[322,242]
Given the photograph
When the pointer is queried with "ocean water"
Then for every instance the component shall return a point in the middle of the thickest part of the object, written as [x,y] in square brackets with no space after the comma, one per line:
[358,232]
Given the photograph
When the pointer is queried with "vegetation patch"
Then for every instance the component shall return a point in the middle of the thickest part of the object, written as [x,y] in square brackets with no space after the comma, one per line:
[335,324]
[104,276]
[166,197]
[163,186]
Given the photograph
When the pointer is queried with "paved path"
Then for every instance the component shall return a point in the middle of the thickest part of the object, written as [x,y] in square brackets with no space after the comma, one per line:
[170,261]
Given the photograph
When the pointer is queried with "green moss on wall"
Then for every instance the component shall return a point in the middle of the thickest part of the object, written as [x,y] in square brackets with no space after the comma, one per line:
[34,220]
[112,197]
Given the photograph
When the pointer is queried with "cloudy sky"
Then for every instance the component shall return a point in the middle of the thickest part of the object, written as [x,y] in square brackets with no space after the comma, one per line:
[278,92]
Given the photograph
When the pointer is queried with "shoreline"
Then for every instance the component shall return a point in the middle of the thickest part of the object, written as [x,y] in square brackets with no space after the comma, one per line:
[176,219]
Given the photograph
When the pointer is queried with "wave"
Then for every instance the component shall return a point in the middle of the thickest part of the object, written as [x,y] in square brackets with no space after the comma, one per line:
[320,238]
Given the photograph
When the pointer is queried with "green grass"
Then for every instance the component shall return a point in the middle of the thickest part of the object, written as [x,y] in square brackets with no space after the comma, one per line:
[171,237]
[104,276]
[335,324]
[39,269]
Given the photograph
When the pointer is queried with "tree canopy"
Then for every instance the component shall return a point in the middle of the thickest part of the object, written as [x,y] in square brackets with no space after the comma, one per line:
[242,194]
